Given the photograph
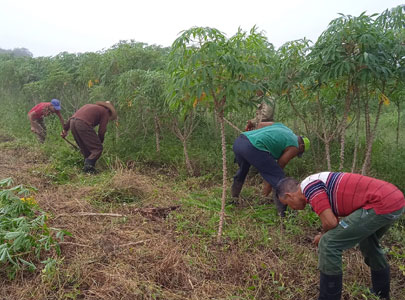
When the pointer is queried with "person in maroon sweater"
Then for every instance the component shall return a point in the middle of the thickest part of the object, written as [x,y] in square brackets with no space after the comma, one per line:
[82,125]
[368,208]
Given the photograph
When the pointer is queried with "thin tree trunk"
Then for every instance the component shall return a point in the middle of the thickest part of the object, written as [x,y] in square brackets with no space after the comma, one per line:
[307,127]
[188,128]
[356,137]
[145,129]
[348,102]
[327,153]
[116,123]
[224,175]
[398,120]
[325,139]
[157,134]
[187,159]
[367,159]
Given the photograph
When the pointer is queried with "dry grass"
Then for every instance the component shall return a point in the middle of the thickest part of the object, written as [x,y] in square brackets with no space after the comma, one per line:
[144,255]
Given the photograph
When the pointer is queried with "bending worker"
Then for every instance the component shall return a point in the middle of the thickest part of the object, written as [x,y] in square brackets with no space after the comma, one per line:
[268,149]
[368,206]
[82,123]
[38,112]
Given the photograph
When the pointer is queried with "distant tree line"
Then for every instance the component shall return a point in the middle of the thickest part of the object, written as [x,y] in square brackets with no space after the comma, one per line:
[17,52]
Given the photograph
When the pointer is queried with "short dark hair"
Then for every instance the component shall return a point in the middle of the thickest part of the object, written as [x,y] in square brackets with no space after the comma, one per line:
[286,185]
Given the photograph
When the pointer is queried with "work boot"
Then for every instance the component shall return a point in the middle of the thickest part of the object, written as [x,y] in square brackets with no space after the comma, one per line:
[236,188]
[381,283]
[89,166]
[330,287]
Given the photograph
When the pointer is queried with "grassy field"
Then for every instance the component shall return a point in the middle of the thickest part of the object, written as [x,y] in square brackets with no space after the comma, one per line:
[145,231]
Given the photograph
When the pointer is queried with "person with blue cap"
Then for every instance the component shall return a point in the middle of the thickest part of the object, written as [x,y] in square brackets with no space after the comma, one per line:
[269,149]
[38,112]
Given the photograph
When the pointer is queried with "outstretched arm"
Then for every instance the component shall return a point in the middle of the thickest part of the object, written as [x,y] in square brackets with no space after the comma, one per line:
[60,118]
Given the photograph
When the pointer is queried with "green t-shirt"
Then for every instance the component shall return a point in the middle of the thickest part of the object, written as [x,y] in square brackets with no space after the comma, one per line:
[274,139]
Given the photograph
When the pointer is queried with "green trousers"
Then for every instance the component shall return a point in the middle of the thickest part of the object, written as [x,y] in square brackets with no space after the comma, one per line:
[363,227]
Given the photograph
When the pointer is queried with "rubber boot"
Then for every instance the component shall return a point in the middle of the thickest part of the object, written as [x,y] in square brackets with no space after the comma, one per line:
[89,166]
[330,287]
[236,188]
[381,283]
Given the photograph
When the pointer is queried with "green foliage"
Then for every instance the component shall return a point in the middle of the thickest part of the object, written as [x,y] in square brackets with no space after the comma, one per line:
[217,72]
[24,234]
[357,58]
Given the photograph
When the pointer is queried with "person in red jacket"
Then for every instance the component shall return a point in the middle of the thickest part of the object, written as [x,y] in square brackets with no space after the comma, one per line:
[38,112]
[367,207]
[82,123]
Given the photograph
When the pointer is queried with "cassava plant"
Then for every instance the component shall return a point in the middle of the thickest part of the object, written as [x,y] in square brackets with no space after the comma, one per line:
[25,237]
[219,74]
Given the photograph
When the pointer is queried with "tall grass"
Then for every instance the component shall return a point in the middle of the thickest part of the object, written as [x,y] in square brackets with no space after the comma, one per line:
[204,146]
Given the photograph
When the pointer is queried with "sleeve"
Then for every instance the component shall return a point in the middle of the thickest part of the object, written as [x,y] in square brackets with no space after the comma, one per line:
[102,128]
[315,192]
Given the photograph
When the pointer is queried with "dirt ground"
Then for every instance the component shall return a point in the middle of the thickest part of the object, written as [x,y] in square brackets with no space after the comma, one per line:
[133,250]
[116,252]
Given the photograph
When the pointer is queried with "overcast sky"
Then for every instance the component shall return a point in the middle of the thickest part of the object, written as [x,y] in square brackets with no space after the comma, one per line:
[48,27]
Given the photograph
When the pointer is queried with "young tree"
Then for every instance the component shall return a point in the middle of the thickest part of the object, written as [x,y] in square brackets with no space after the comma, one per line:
[221,74]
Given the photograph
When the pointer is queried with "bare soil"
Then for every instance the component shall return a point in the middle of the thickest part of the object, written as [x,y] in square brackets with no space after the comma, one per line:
[135,251]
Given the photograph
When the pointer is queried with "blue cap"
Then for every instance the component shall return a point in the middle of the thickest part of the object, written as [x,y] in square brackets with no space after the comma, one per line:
[56,104]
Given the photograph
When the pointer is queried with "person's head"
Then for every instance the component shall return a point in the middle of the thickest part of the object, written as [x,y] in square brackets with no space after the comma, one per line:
[303,145]
[108,105]
[56,104]
[289,193]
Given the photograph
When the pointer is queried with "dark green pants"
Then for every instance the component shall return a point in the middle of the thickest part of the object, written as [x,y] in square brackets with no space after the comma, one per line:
[363,227]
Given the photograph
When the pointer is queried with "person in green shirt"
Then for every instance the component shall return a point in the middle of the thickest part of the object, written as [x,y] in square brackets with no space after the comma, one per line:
[269,149]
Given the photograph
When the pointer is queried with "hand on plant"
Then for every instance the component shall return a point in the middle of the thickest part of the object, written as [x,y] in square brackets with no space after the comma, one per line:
[316,239]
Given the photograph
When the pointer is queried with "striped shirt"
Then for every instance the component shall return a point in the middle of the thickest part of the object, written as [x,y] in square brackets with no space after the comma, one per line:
[347,192]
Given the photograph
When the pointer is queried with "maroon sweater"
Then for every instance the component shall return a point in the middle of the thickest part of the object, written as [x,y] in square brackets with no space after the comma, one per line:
[93,115]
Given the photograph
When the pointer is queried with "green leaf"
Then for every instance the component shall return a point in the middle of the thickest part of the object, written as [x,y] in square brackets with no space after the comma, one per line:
[27,263]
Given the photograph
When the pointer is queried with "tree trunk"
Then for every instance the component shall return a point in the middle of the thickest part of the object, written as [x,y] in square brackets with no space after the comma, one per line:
[367,159]
[348,102]
[157,134]
[325,138]
[224,175]
[327,153]
[356,137]
[307,128]
[184,136]
[398,121]
[116,123]
[187,159]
